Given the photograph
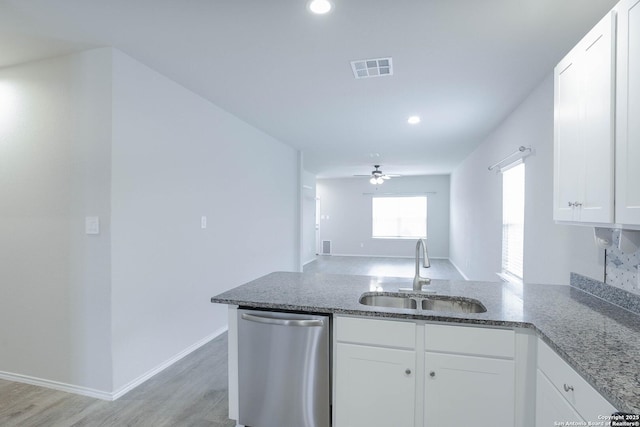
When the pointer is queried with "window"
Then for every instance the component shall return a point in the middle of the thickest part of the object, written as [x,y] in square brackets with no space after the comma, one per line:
[399,217]
[513,222]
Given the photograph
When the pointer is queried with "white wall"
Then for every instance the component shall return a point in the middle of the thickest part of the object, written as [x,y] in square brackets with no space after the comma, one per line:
[308,217]
[100,134]
[177,157]
[55,132]
[551,251]
[349,211]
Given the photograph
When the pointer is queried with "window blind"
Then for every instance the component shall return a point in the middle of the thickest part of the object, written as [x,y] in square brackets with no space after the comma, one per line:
[399,217]
[513,221]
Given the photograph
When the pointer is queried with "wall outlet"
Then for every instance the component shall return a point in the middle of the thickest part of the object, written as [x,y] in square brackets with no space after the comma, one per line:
[92,225]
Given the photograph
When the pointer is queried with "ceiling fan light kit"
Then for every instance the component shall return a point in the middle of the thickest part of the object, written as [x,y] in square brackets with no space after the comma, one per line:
[378,177]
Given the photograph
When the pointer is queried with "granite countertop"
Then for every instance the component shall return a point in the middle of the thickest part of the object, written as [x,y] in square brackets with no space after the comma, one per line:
[601,341]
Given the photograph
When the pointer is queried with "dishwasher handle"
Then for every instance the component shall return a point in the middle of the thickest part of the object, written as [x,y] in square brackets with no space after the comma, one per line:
[282,322]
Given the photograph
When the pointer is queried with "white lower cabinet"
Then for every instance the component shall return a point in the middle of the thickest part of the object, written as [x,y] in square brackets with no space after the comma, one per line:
[551,406]
[563,395]
[375,386]
[468,391]
[470,376]
[396,373]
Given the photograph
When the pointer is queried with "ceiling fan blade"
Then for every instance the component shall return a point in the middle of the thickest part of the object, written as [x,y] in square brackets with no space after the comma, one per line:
[363,175]
[393,175]
[385,177]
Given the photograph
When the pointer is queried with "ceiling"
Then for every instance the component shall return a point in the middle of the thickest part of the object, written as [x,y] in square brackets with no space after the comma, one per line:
[462,65]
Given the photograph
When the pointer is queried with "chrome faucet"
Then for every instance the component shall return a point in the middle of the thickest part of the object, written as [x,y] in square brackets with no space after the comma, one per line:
[418,280]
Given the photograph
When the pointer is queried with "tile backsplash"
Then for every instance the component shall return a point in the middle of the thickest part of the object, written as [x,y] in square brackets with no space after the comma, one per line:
[623,268]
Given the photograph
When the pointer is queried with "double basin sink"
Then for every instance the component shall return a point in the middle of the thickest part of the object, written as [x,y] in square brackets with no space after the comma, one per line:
[423,302]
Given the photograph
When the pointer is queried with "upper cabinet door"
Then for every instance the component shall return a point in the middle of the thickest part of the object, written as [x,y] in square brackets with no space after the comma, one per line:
[628,114]
[567,151]
[597,121]
[584,128]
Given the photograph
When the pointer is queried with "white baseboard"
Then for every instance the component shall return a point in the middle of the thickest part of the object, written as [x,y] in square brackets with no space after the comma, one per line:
[105,395]
[56,385]
[308,261]
[164,365]
[464,276]
[369,256]
[380,256]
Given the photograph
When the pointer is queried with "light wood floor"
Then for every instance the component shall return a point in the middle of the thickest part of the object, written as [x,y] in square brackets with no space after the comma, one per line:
[192,392]
[389,267]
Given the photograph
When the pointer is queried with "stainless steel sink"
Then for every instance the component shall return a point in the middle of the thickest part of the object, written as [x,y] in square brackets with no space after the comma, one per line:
[428,303]
[453,305]
[382,300]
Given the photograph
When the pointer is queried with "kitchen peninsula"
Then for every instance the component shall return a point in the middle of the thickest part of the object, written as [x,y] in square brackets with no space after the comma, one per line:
[528,326]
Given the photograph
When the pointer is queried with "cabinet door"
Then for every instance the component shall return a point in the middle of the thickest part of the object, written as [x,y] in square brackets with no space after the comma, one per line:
[374,386]
[597,121]
[568,155]
[628,112]
[551,407]
[584,128]
[468,391]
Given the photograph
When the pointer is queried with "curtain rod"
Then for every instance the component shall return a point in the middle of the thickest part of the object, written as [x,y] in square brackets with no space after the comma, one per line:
[423,193]
[521,150]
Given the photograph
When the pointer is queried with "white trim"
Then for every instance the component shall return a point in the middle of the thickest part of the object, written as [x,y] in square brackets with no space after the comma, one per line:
[105,395]
[464,276]
[311,260]
[380,256]
[164,365]
[55,385]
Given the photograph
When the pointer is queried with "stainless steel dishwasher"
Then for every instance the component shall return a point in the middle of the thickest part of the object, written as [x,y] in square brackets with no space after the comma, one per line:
[283,369]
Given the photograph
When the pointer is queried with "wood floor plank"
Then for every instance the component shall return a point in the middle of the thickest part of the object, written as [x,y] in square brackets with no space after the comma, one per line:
[381,266]
[191,393]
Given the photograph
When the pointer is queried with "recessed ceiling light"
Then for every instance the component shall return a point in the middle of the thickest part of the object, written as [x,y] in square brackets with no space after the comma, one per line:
[320,7]
[413,120]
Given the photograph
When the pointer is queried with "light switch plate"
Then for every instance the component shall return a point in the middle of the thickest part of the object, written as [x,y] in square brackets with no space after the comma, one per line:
[203,222]
[92,225]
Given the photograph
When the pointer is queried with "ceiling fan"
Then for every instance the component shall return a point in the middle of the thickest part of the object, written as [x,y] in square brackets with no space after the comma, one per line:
[377,176]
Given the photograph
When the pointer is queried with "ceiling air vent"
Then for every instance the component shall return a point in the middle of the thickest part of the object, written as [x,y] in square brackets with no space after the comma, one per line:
[378,67]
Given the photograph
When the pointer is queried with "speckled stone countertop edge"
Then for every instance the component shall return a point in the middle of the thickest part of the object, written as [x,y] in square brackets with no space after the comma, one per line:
[380,313]
[617,399]
[602,389]
[611,294]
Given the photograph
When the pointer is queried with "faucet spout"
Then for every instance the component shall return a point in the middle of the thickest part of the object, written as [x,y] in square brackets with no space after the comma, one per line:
[418,280]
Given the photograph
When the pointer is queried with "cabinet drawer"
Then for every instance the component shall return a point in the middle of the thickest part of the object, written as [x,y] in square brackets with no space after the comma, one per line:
[471,341]
[388,333]
[584,398]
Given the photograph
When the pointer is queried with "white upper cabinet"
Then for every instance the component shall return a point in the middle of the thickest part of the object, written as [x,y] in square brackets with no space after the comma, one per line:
[584,128]
[628,114]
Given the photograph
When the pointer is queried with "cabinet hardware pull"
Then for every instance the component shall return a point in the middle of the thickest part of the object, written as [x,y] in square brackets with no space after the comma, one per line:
[577,205]
[570,204]
[407,371]
[568,388]
[432,374]
[282,322]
